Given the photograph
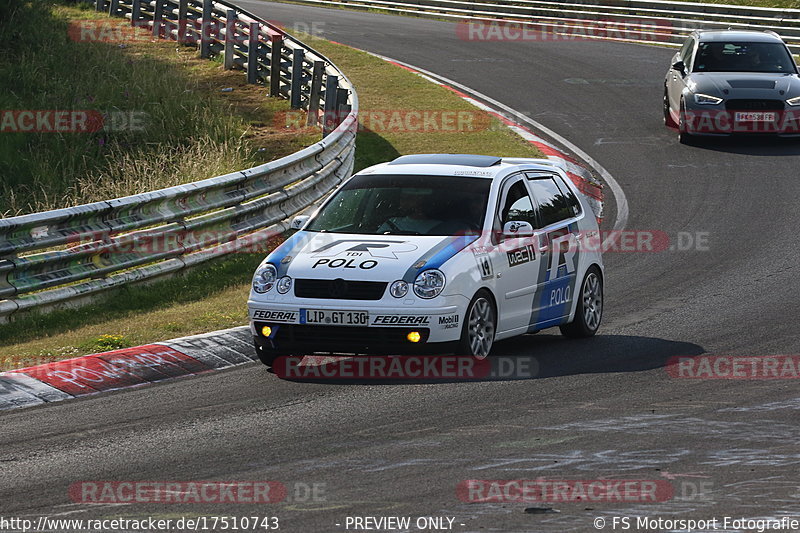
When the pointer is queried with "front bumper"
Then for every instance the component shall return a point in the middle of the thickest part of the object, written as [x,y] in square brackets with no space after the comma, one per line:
[386,332]
[723,122]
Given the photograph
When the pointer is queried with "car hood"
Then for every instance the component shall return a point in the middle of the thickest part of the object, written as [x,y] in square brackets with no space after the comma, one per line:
[745,85]
[317,255]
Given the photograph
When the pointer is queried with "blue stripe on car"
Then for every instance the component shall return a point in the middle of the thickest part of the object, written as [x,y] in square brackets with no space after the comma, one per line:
[439,255]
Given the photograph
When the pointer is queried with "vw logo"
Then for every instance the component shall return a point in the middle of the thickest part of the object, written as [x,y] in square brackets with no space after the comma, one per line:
[337,288]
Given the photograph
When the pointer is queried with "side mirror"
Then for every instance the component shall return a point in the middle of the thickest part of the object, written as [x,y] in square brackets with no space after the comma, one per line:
[680,67]
[517,228]
[299,221]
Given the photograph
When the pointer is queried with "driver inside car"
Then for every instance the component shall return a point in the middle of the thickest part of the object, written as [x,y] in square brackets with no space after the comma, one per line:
[413,219]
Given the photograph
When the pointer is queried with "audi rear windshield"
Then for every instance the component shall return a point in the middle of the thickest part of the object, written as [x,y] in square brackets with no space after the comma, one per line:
[719,56]
[383,204]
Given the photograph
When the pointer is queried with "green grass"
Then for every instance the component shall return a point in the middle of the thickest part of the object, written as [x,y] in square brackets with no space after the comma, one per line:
[191,130]
[214,297]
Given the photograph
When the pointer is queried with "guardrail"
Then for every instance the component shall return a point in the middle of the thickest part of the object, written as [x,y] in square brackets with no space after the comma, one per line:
[645,21]
[51,257]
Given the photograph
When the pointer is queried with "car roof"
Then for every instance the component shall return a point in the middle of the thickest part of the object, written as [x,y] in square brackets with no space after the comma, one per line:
[752,36]
[466,165]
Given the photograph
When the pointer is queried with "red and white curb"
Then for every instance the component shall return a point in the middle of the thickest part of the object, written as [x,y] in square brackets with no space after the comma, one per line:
[130,367]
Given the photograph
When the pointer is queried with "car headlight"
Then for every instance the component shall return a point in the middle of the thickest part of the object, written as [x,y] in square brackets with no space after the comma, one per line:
[398,289]
[284,284]
[429,283]
[793,101]
[265,277]
[706,99]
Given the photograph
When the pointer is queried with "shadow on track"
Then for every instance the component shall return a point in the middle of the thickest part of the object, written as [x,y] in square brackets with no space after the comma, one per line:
[765,145]
[522,358]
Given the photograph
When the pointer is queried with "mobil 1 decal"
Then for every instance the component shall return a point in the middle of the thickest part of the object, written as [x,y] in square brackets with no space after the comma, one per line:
[355,253]
[557,277]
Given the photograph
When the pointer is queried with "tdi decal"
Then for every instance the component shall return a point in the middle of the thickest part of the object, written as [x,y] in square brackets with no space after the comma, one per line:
[352,247]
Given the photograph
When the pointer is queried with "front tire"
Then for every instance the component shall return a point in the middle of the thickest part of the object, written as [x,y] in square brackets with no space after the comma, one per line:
[668,120]
[684,137]
[589,310]
[480,323]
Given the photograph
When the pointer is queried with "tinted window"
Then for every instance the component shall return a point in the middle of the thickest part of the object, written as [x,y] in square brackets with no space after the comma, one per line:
[571,198]
[686,53]
[406,205]
[553,205]
[719,56]
[518,205]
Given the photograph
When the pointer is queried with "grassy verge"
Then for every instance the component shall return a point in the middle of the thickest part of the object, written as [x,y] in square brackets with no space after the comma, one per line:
[168,121]
[215,297]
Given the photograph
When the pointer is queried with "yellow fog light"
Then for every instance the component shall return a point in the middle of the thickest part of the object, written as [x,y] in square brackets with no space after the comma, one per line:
[414,336]
[266,331]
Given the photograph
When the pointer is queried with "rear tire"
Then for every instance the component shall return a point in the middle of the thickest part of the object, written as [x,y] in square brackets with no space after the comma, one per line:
[589,309]
[480,324]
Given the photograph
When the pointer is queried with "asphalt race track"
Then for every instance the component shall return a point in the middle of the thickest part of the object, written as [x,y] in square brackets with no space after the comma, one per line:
[603,408]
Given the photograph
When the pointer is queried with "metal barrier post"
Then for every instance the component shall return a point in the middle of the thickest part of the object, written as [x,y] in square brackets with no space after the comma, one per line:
[315,93]
[158,15]
[136,12]
[205,30]
[328,117]
[113,7]
[183,13]
[230,38]
[252,52]
[297,77]
[275,65]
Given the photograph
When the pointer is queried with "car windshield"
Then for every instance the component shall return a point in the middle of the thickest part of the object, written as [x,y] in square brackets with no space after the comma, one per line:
[406,205]
[743,57]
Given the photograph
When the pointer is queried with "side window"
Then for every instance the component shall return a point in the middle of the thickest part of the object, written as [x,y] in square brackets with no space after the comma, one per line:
[572,200]
[686,53]
[553,204]
[517,205]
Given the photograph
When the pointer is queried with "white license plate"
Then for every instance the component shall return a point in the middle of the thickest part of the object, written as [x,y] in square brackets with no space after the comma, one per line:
[336,318]
[741,116]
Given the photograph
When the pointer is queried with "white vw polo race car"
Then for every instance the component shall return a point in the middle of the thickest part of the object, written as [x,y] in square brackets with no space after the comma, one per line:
[435,253]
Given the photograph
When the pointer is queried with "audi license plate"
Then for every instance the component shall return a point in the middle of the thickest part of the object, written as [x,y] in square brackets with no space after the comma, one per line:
[753,116]
[334,318]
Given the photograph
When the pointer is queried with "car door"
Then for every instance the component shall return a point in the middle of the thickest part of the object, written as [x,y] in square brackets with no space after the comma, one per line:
[557,212]
[517,260]
[675,81]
